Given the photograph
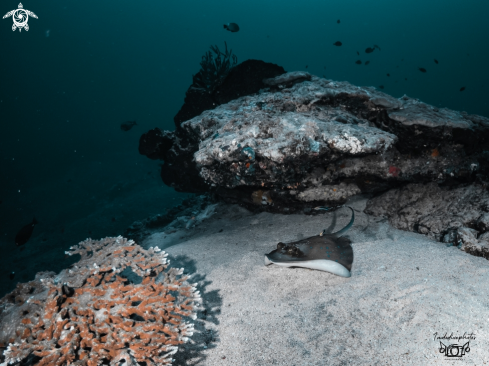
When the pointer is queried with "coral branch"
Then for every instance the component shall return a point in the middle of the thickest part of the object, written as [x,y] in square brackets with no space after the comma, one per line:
[99,312]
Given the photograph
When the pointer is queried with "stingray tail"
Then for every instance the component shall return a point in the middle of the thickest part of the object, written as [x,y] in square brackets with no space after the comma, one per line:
[347,227]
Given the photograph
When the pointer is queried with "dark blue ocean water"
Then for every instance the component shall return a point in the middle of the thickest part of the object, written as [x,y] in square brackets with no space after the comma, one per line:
[84,67]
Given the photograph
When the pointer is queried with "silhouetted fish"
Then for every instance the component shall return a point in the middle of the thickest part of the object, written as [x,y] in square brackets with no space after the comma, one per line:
[436,61]
[422,69]
[367,62]
[358,62]
[232,27]
[381,87]
[389,75]
[126,126]
[11,275]
[25,233]
[337,43]
[358,53]
[462,88]
[338,21]
[371,49]
[325,252]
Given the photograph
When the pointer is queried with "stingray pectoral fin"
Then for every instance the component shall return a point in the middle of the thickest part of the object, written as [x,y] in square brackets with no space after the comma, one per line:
[267,261]
[318,264]
[327,266]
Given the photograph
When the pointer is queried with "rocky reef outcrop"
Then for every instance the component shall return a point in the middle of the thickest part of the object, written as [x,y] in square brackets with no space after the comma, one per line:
[301,141]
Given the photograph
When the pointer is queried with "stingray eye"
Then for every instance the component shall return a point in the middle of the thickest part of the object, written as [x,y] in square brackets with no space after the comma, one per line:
[280,246]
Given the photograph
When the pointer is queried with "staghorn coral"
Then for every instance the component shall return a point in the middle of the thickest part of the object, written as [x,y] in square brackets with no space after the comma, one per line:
[100,312]
[214,70]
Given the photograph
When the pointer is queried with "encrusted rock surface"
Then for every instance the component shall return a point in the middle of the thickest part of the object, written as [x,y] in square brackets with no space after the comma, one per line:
[304,141]
[455,216]
[243,79]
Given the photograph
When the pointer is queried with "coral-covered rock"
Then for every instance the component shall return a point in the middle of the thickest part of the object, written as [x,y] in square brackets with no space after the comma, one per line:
[439,212]
[243,79]
[469,243]
[304,136]
[303,141]
[119,302]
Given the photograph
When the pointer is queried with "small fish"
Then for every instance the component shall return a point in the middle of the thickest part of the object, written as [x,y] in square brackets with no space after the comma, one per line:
[12,275]
[381,87]
[307,66]
[324,252]
[366,63]
[389,75]
[422,69]
[338,21]
[358,62]
[126,126]
[232,27]
[358,53]
[337,43]
[113,219]
[462,88]
[436,61]
[371,49]
[405,78]
[25,233]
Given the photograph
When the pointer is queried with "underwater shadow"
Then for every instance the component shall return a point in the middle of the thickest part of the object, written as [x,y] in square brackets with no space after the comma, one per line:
[204,337]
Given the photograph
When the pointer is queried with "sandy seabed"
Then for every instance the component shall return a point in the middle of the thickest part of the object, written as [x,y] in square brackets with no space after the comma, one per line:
[404,290]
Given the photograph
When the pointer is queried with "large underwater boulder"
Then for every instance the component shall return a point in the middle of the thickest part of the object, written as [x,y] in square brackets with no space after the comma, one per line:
[303,141]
